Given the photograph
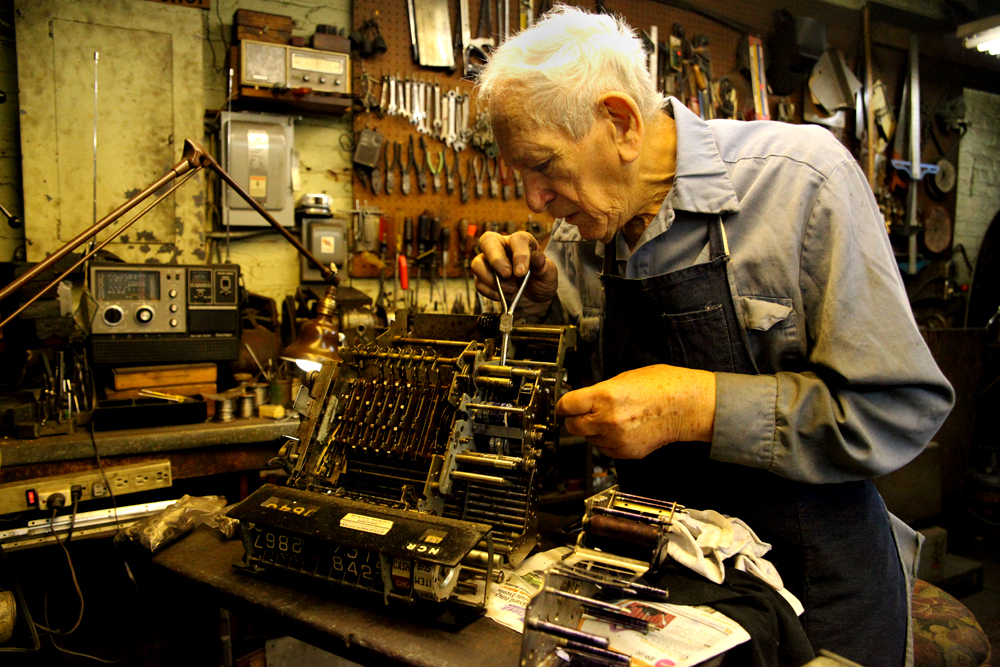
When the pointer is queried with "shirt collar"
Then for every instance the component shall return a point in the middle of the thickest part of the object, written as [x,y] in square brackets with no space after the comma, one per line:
[701,182]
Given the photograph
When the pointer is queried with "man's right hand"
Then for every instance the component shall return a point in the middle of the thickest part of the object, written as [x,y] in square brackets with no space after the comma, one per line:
[510,257]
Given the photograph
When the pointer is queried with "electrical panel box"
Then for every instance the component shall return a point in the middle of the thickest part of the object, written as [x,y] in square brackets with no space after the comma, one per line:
[327,239]
[257,153]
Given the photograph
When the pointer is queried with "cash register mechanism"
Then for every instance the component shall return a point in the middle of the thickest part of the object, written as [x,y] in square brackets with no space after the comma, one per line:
[412,474]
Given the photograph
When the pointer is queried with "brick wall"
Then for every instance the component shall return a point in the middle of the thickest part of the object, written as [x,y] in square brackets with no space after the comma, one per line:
[978,170]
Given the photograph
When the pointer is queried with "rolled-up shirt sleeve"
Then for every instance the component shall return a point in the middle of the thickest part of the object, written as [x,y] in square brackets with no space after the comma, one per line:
[870,395]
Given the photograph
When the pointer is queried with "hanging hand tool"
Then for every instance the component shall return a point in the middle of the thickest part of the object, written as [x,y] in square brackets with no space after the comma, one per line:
[526,14]
[390,168]
[383,104]
[494,182]
[473,54]
[412,14]
[507,314]
[462,129]
[449,119]
[405,100]
[449,174]
[437,111]
[416,103]
[392,109]
[445,243]
[421,172]
[518,185]
[377,175]
[435,173]
[467,244]
[507,178]
[409,254]
[410,162]
[423,242]
[433,249]
[463,183]
[477,166]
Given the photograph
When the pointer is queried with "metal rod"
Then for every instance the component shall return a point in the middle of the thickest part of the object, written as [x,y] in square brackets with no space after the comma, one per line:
[194,156]
[475,477]
[498,408]
[429,341]
[329,275]
[585,638]
[229,143]
[508,463]
[93,251]
[97,56]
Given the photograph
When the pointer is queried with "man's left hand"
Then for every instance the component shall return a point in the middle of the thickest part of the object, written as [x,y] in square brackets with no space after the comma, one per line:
[633,413]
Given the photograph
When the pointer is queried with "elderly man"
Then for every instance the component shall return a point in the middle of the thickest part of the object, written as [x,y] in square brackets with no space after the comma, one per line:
[759,354]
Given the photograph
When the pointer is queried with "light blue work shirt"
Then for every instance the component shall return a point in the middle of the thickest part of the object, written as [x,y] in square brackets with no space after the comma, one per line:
[847,387]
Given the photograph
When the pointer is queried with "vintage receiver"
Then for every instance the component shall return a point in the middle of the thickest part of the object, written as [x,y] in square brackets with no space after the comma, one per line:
[150,313]
[415,460]
[267,65]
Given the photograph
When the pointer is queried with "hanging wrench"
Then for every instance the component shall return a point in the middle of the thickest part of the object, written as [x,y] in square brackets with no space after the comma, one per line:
[449,136]
[404,97]
[392,108]
[384,98]
[415,102]
[437,111]
[463,132]
[425,122]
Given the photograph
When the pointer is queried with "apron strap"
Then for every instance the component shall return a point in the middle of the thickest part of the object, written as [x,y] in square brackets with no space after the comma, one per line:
[718,246]
[718,243]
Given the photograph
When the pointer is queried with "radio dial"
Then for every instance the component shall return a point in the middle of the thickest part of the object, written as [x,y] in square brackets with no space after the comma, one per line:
[113,315]
[144,315]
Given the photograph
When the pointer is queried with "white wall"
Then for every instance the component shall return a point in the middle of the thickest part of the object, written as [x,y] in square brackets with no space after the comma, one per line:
[978,171]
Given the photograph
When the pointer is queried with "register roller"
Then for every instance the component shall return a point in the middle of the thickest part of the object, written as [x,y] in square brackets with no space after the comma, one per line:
[412,474]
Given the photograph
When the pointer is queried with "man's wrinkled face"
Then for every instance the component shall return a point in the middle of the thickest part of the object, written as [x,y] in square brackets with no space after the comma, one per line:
[579,180]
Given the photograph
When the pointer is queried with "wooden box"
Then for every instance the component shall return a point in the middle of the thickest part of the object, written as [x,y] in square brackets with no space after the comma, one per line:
[262,27]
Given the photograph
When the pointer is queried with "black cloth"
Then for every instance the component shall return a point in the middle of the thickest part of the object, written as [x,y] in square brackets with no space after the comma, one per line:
[777,638]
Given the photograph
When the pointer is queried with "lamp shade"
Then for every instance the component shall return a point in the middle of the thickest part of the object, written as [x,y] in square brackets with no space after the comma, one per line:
[318,338]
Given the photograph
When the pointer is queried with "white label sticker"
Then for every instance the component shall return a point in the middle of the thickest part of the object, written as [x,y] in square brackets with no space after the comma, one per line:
[258,186]
[327,245]
[367,524]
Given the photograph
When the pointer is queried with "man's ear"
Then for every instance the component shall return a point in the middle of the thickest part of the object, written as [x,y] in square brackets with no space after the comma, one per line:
[621,110]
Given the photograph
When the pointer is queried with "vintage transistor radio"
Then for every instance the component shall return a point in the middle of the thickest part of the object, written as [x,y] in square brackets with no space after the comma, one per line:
[412,474]
[162,313]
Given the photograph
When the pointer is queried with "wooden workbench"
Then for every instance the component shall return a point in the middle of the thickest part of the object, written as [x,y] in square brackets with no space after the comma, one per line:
[363,630]
[194,450]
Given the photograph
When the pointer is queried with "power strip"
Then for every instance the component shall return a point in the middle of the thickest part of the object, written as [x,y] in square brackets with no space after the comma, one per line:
[42,493]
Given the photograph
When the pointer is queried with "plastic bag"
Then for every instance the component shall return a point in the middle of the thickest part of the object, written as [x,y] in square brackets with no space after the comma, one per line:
[159,530]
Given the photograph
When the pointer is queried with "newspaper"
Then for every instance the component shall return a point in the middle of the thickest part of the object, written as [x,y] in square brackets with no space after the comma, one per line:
[678,635]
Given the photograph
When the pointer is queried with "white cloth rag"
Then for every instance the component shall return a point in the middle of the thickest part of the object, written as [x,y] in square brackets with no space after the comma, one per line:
[702,539]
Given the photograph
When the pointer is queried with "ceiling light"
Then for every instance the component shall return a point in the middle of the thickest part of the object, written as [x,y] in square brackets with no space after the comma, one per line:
[983,35]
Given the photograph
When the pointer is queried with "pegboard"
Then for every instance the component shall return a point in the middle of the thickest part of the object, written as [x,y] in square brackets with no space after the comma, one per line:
[397,60]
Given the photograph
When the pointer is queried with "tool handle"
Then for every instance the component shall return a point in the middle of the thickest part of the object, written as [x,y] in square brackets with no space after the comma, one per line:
[404,272]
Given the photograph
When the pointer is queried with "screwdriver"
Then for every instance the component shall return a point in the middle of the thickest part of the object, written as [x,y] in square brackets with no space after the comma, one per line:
[467,243]
[423,241]
[445,243]
[433,250]
[408,248]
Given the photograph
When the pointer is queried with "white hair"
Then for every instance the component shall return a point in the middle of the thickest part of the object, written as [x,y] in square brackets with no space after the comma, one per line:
[563,64]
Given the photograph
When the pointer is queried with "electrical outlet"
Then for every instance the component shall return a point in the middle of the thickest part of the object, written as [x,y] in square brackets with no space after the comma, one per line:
[120,480]
[45,496]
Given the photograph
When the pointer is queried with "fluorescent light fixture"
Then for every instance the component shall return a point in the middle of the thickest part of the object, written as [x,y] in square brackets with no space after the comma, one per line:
[983,35]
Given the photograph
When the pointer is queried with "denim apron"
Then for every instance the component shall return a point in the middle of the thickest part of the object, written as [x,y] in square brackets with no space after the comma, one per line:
[832,543]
